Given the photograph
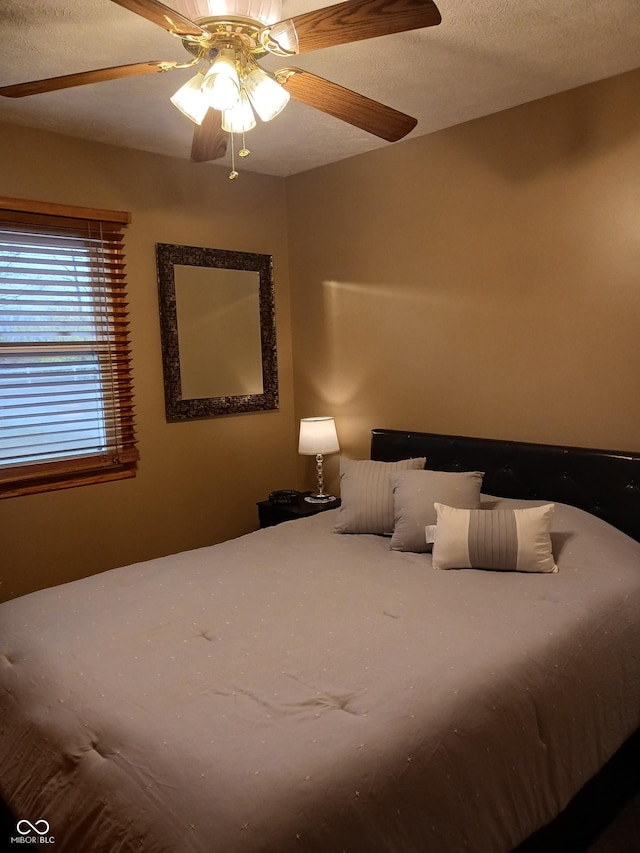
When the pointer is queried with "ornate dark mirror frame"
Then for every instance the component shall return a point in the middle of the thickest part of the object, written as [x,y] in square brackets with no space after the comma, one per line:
[177,408]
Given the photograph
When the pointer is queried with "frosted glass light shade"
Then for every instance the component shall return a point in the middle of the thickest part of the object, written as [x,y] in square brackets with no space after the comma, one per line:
[190,100]
[317,435]
[267,96]
[221,85]
[240,118]
[267,11]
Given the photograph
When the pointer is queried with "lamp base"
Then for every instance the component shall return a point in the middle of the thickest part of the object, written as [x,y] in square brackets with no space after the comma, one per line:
[320,499]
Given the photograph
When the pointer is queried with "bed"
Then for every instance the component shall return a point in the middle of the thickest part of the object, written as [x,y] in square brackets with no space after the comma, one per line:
[297,689]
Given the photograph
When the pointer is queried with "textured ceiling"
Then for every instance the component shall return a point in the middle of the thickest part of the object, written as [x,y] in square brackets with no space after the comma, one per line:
[486,56]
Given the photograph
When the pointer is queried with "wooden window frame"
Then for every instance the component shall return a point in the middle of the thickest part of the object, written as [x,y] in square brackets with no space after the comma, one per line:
[116,457]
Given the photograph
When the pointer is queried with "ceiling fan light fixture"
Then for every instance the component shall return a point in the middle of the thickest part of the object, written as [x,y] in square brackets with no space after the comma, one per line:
[221,84]
[190,100]
[240,118]
[229,35]
[267,96]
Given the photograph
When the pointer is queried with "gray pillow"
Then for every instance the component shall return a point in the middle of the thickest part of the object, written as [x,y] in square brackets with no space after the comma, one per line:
[414,495]
[365,492]
[512,540]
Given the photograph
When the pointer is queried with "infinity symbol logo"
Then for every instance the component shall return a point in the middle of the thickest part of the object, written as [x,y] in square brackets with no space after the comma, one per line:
[32,827]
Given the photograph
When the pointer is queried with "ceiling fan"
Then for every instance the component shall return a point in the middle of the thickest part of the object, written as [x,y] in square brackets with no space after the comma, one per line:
[227,37]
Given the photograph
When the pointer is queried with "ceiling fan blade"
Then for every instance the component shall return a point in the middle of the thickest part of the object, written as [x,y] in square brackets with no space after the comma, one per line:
[356,20]
[68,81]
[209,140]
[163,16]
[346,105]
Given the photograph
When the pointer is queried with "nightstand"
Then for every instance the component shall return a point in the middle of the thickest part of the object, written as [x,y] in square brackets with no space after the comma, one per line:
[271,513]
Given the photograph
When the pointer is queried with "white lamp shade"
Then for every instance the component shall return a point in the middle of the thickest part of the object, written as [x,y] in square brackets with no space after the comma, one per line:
[267,95]
[221,84]
[318,435]
[240,118]
[190,100]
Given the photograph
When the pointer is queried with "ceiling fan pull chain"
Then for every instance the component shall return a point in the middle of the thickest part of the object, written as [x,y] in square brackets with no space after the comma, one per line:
[233,174]
[244,151]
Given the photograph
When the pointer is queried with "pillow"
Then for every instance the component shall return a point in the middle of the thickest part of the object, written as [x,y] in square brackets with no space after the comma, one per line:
[506,539]
[414,495]
[365,492]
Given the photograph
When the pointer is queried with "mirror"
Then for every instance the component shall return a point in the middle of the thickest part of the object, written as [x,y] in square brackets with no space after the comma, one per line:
[217,324]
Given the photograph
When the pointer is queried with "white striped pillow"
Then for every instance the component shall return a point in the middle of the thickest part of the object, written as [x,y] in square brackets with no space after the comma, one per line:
[367,496]
[505,539]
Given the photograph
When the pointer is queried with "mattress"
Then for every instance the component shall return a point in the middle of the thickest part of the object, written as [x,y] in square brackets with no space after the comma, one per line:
[301,690]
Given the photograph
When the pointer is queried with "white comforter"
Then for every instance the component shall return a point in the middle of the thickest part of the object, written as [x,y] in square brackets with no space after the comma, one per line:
[300,690]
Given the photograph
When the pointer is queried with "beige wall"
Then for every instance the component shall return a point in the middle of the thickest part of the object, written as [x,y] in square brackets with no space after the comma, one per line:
[197,482]
[484,280]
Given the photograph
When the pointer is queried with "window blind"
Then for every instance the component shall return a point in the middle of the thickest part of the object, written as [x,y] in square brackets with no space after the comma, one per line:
[66,393]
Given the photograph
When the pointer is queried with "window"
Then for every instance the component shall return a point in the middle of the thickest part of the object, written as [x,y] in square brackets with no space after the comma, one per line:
[66,400]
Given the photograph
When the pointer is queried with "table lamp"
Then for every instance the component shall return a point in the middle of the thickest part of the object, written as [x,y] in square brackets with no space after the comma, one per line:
[317,437]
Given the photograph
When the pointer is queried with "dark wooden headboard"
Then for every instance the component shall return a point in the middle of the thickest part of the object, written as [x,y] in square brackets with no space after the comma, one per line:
[603,482]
